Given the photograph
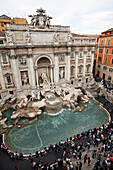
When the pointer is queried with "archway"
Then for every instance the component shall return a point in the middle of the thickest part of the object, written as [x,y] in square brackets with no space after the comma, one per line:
[44,72]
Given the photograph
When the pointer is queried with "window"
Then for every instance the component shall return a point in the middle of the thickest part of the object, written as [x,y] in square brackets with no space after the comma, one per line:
[112,61]
[110,70]
[99,59]
[101,42]
[1,41]
[72,70]
[106,59]
[80,53]
[72,54]
[112,51]
[8,79]
[99,65]
[11,92]
[89,41]
[100,51]
[80,70]
[87,69]
[4,58]
[105,68]
[109,42]
[107,50]
[89,52]
[2,24]
[81,41]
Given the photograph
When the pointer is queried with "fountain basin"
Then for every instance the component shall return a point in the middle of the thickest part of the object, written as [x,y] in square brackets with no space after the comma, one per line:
[49,129]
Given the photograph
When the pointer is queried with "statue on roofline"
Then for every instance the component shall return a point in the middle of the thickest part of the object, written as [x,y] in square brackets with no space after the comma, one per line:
[40,20]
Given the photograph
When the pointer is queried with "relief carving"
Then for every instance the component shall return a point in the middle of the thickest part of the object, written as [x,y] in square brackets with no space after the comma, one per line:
[22,60]
[62,58]
[28,39]
[55,37]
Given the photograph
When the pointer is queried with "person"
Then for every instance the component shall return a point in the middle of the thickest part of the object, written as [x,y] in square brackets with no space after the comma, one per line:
[80,165]
[89,161]
[85,158]
[77,165]
[80,154]
[16,167]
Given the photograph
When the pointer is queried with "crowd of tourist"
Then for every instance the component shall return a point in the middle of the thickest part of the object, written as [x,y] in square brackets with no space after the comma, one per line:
[76,152]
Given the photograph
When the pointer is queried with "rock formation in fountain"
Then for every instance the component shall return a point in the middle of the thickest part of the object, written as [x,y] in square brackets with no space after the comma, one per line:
[31,103]
[2,122]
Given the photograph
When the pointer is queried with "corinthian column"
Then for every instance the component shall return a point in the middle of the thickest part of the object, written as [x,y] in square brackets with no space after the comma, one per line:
[67,68]
[15,70]
[31,71]
[84,68]
[56,70]
[92,60]
[76,67]
[2,78]
[51,69]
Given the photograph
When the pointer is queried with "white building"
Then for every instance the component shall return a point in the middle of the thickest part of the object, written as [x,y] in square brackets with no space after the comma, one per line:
[39,54]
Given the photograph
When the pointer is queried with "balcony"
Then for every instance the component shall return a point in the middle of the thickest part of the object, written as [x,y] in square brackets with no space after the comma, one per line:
[88,59]
[5,64]
[80,60]
[80,75]
[87,74]
[9,85]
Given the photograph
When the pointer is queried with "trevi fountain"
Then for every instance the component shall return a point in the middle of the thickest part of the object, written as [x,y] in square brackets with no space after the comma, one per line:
[34,119]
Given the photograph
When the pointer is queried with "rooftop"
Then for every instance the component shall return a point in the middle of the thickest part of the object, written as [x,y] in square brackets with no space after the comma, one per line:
[85,35]
[4,17]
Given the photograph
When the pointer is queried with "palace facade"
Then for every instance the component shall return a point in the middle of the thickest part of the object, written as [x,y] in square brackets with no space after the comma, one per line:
[39,54]
[104,60]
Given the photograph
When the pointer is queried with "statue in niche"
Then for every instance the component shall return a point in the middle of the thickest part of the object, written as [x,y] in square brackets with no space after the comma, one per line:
[24,79]
[62,73]
[44,78]
[22,60]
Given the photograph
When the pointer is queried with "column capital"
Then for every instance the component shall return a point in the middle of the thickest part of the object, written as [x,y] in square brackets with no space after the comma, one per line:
[29,55]
[13,56]
[85,52]
[77,52]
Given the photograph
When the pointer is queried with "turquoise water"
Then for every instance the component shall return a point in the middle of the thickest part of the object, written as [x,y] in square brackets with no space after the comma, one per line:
[7,114]
[48,129]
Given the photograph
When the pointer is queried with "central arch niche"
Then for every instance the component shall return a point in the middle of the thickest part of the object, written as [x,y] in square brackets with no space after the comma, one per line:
[44,69]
